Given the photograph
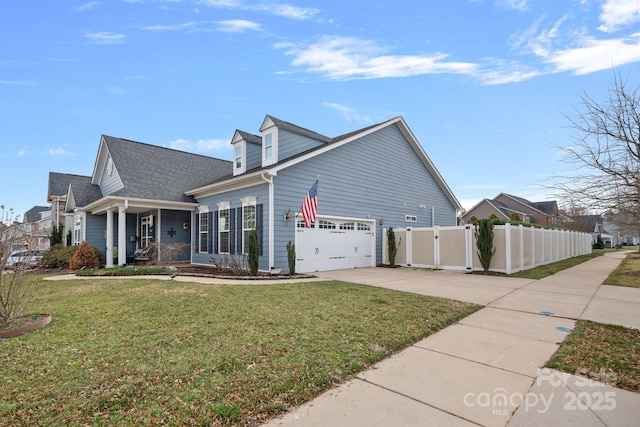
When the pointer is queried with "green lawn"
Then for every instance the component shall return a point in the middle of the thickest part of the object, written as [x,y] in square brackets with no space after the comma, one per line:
[146,352]
[607,353]
[627,273]
[550,269]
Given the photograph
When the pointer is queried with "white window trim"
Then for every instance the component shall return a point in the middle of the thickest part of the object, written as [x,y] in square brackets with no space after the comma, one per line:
[243,157]
[224,206]
[274,147]
[203,210]
[248,201]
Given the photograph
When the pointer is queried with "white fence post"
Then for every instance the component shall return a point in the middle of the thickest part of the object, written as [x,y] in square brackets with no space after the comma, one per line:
[468,247]
[507,248]
[407,247]
[436,246]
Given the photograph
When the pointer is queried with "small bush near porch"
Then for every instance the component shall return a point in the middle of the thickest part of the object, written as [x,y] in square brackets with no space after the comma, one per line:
[148,352]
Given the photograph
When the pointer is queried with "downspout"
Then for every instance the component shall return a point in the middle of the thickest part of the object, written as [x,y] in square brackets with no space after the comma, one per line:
[271,218]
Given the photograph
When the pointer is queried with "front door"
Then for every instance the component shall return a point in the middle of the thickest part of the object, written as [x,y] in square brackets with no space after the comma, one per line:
[146,236]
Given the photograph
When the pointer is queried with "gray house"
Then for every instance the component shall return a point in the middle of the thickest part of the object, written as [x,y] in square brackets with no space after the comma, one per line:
[370,179]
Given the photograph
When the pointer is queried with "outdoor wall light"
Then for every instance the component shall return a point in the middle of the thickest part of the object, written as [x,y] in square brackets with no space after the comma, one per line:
[381,222]
[185,225]
[287,215]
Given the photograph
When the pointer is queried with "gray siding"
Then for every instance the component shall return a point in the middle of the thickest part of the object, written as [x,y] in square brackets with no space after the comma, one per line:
[254,155]
[291,144]
[260,191]
[181,238]
[377,176]
[95,227]
[110,184]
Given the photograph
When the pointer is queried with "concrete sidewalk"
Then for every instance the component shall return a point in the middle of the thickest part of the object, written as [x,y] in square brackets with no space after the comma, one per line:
[485,370]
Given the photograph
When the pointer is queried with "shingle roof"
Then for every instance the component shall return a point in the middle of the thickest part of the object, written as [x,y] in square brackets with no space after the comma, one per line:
[33,214]
[249,137]
[281,124]
[84,192]
[59,183]
[159,173]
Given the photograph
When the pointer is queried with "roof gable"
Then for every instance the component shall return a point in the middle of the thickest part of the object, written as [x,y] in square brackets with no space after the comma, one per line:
[59,183]
[158,173]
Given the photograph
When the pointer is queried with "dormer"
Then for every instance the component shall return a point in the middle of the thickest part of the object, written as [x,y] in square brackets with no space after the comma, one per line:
[246,152]
[269,132]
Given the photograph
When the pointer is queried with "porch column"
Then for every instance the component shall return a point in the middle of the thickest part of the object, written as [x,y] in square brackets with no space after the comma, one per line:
[109,254]
[122,235]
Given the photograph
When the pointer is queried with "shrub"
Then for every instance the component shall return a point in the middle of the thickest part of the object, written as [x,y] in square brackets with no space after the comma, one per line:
[291,257]
[392,246]
[56,235]
[514,216]
[254,252]
[58,256]
[84,256]
[484,242]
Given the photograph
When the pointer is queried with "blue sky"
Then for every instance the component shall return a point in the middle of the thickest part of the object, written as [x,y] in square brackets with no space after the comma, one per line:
[484,84]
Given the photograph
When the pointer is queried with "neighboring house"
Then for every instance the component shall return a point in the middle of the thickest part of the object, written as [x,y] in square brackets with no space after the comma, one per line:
[37,221]
[370,179]
[594,225]
[61,186]
[505,205]
[31,233]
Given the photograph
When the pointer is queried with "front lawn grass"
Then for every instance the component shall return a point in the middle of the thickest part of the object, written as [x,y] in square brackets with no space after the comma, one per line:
[627,273]
[607,353]
[148,352]
[551,269]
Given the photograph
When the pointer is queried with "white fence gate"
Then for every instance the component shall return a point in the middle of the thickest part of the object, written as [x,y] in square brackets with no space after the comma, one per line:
[454,248]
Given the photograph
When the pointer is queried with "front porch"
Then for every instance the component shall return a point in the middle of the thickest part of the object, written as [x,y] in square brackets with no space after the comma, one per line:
[127,226]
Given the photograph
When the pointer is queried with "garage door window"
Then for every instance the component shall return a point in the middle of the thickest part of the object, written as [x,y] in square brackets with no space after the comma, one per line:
[363,227]
[347,226]
[301,224]
[326,225]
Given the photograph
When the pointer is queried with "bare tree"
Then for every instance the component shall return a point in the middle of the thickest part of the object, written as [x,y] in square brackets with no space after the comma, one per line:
[606,153]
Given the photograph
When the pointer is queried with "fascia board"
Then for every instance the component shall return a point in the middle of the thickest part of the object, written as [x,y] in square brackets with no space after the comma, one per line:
[101,160]
[109,202]
[236,183]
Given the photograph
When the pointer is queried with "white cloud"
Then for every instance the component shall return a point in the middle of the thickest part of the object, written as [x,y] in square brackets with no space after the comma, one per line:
[596,55]
[237,26]
[105,38]
[519,5]
[209,146]
[347,113]
[87,6]
[619,13]
[343,58]
[58,152]
[278,9]
[174,27]
[227,26]
[575,50]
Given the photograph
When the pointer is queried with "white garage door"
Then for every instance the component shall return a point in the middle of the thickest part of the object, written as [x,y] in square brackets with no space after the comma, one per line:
[334,244]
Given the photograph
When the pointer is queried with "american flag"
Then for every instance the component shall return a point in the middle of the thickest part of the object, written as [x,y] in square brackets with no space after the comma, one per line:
[310,204]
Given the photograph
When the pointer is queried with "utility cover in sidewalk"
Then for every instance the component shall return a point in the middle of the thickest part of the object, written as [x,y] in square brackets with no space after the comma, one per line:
[564,329]
[547,313]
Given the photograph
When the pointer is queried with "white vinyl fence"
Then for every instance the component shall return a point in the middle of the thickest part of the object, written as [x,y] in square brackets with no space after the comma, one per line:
[454,248]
